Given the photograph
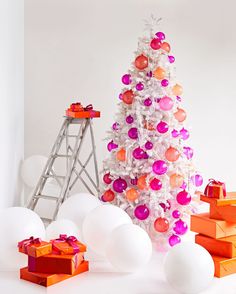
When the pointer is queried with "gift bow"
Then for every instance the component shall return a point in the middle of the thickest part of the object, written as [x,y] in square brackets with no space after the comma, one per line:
[81,108]
[214,182]
[30,241]
[71,240]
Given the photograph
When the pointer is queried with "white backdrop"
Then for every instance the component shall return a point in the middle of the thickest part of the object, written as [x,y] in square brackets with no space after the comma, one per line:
[12,99]
[78,50]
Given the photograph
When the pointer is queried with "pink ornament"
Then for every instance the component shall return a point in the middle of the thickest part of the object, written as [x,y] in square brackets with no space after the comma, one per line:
[119,185]
[102,199]
[141,212]
[155,44]
[111,145]
[175,133]
[173,240]
[138,153]
[183,186]
[139,86]
[197,180]
[171,59]
[116,126]
[183,198]
[176,214]
[180,227]
[165,206]
[126,79]
[155,184]
[147,102]
[107,179]
[164,83]
[133,133]
[162,127]
[159,167]
[149,74]
[120,96]
[129,119]
[145,155]
[134,181]
[184,133]
[166,103]
[161,36]
[148,145]
[178,98]
[188,152]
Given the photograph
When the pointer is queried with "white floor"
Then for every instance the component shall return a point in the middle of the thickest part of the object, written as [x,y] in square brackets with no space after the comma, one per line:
[101,280]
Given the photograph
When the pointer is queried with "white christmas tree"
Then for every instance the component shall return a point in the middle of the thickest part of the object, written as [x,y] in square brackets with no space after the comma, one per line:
[149,170]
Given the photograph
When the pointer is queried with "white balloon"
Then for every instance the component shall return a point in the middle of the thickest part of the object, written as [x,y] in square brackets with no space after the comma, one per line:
[129,248]
[99,224]
[189,268]
[62,226]
[32,169]
[76,208]
[17,224]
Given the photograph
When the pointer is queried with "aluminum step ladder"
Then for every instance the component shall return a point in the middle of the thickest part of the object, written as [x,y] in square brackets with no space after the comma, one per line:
[75,168]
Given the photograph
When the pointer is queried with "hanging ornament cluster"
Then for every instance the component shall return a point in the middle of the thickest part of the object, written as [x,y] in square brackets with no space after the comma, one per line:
[149,170]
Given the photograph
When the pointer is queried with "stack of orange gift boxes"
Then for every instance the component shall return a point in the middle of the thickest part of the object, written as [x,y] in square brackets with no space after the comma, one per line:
[217,229]
[54,261]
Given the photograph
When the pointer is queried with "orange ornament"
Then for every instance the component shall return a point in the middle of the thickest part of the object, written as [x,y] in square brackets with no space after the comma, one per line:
[159,73]
[172,154]
[131,194]
[142,182]
[165,46]
[128,97]
[141,62]
[177,90]
[176,180]
[180,115]
[108,196]
[121,155]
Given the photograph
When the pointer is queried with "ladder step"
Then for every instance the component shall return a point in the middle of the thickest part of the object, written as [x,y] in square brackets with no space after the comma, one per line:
[62,155]
[54,176]
[72,136]
[45,197]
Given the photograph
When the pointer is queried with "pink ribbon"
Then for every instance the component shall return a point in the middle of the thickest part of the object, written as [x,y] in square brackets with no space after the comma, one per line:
[213,182]
[27,242]
[88,107]
[71,240]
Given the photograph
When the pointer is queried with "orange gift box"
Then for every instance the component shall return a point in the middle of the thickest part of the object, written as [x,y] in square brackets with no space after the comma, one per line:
[228,200]
[55,264]
[67,245]
[203,224]
[224,266]
[50,279]
[225,247]
[83,114]
[227,213]
[34,247]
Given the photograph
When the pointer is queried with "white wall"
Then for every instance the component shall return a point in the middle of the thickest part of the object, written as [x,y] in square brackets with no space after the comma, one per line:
[81,48]
[12,99]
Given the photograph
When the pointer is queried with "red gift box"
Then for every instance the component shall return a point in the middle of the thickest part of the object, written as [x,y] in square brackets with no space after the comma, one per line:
[55,263]
[215,189]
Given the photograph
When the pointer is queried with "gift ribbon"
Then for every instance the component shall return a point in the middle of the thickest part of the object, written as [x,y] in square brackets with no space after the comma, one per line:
[27,242]
[214,182]
[71,240]
[88,107]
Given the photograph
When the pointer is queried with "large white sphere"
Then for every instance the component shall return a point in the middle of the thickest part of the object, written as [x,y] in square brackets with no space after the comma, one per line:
[189,268]
[32,169]
[17,224]
[76,208]
[61,226]
[129,248]
[99,224]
